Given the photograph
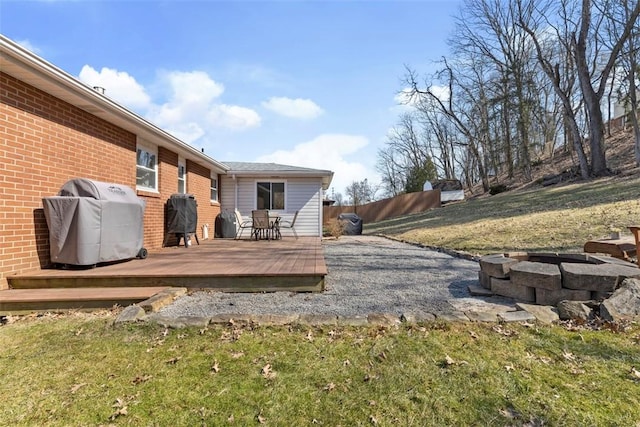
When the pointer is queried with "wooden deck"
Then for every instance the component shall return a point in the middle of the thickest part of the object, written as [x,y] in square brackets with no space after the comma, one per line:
[623,248]
[226,265]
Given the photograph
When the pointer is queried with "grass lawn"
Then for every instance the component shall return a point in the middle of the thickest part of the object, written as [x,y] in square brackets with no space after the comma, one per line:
[81,370]
[550,219]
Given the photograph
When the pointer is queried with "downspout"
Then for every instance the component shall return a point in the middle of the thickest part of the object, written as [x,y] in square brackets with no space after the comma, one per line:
[320,214]
[235,190]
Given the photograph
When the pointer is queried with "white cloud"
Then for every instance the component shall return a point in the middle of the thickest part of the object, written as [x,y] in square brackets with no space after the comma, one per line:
[327,151]
[295,108]
[192,88]
[233,117]
[29,46]
[405,100]
[193,107]
[442,92]
[118,85]
[404,97]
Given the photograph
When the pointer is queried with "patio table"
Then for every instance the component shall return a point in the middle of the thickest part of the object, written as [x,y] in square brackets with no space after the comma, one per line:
[266,225]
[274,220]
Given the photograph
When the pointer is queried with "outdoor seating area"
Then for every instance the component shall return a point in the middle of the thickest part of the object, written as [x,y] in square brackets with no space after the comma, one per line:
[264,225]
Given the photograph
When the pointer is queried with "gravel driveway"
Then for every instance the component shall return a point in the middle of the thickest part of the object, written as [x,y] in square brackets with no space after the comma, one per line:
[367,274]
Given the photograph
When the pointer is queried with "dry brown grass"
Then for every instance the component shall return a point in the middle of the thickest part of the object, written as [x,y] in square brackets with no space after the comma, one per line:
[559,218]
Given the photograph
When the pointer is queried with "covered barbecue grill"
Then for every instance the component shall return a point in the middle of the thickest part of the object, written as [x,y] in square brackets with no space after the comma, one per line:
[181,217]
[91,222]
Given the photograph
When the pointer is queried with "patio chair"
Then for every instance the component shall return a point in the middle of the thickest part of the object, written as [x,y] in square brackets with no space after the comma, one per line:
[261,224]
[242,224]
[290,224]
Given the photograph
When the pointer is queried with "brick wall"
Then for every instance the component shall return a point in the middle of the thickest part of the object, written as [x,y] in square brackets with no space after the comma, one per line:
[44,143]
[199,184]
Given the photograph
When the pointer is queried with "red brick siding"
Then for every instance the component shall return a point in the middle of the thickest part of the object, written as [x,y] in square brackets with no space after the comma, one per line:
[44,143]
[199,184]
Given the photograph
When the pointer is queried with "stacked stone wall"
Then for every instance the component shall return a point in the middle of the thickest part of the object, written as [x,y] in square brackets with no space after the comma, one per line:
[548,278]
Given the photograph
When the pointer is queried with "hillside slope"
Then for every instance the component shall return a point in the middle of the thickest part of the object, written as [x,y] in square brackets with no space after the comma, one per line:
[620,160]
[532,217]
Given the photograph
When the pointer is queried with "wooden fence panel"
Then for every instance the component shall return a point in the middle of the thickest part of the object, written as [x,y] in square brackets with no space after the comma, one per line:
[403,204]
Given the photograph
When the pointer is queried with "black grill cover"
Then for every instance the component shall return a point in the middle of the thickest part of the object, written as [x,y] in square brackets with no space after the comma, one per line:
[351,222]
[182,214]
[226,224]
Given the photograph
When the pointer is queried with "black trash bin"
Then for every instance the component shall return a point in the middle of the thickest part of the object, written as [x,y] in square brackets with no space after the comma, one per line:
[351,223]
[226,224]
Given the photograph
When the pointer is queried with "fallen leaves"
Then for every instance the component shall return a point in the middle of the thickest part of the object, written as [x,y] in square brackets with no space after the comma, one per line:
[173,360]
[141,379]
[449,361]
[215,368]
[504,331]
[634,374]
[369,377]
[267,372]
[77,387]
[510,413]
[121,409]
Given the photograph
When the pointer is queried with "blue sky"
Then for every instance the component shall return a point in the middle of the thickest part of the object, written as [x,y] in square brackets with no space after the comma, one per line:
[305,83]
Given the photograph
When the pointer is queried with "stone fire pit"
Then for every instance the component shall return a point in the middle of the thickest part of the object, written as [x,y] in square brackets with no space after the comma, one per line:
[548,278]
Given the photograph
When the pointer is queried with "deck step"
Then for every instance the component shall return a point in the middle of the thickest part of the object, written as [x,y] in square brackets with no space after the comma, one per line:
[21,300]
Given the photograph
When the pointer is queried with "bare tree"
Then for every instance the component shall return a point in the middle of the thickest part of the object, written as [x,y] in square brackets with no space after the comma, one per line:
[586,32]
[586,49]
[360,192]
[406,161]
[392,171]
[464,120]
[556,62]
[631,67]
[442,145]
[487,28]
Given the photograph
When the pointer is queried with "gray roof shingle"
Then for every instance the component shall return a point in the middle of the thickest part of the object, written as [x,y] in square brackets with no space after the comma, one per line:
[272,167]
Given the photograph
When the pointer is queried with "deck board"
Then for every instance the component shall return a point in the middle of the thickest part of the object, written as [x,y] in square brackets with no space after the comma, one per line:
[224,264]
[17,300]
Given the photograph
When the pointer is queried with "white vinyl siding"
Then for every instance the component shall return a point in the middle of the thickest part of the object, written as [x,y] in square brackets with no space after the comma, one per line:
[303,194]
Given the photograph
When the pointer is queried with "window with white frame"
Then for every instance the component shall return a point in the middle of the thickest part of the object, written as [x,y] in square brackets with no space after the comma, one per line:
[147,168]
[182,176]
[270,195]
[214,188]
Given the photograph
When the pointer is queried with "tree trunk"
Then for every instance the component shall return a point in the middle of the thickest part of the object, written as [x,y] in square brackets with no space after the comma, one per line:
[577,145]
